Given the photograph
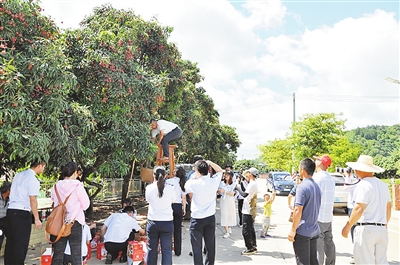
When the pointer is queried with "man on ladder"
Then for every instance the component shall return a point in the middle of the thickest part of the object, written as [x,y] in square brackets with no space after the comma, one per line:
[168,131]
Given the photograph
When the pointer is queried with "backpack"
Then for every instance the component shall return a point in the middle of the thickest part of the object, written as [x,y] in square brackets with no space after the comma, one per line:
[56,225]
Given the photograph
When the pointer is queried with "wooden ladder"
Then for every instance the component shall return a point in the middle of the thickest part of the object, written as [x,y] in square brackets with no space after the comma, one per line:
[171,158]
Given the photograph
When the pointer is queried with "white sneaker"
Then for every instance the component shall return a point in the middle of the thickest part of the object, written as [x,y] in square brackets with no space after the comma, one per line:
[226,235]
[230,230]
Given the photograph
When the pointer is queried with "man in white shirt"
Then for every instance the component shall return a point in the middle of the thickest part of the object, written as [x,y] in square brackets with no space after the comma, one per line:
[168,131]
[326,183]
[248,210]
[202,191]
[370,215]
[23,204]
[117,230]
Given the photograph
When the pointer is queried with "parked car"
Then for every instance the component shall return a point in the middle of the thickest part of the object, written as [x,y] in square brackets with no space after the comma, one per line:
[280,182]
[341,196]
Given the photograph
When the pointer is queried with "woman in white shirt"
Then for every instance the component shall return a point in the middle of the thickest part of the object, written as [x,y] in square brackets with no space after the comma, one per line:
[178,208]
[227,203]
[160,197]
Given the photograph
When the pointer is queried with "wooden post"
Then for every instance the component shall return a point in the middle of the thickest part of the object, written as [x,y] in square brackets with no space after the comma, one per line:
[171,158]
[396,196]
[130,180]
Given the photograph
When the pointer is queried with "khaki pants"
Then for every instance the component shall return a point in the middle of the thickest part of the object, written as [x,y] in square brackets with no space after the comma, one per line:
[370,244]
[266,224]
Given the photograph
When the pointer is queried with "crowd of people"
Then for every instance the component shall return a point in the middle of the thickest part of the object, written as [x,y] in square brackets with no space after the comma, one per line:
[369,208]
[313,195]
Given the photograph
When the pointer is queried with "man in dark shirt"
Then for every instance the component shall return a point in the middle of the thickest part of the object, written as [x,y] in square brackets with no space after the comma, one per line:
[305,230]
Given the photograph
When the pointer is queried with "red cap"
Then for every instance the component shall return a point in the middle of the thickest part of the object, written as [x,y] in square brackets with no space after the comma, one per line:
[325,159]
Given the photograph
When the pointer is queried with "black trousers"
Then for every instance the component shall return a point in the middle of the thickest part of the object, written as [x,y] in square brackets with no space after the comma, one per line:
[178,215]
[2,228]
[248,232]
[240,207]
[305,250]
[75,244]
[114,248]
[199,229]
[19,226]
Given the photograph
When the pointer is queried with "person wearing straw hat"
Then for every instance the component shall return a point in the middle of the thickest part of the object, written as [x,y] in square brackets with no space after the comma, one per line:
[370,215]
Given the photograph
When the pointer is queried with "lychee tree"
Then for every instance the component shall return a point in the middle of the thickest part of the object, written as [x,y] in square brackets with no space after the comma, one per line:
[36,119]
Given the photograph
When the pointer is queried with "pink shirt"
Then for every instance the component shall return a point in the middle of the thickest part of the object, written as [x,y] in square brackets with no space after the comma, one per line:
[77,202]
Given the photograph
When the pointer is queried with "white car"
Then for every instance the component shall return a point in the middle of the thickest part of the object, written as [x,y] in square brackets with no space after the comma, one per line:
[341,196]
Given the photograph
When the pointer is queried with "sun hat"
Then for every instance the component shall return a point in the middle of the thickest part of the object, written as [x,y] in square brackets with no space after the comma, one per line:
[365,164]
[325,159]
[253,171]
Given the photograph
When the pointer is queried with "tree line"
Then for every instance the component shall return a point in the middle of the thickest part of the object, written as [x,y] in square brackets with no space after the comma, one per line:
[87,94]
[324,133]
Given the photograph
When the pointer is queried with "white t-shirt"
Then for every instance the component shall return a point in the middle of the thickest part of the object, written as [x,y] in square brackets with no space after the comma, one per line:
[86,236]
[204,191]
[160,209]
[167,126]
[375,194]
[326,184]
[251,189]
[24,184]
[175,182]
[119,226]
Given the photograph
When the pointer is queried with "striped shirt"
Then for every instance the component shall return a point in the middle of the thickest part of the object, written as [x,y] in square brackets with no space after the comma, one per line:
[326,183]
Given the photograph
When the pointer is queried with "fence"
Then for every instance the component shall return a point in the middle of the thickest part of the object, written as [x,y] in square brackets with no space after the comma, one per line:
[111,188]
[114,188]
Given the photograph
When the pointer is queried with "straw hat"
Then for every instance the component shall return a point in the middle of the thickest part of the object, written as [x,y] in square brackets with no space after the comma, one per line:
[365,164]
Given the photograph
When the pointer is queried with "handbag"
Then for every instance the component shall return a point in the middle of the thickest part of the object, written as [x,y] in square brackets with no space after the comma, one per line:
[56,225]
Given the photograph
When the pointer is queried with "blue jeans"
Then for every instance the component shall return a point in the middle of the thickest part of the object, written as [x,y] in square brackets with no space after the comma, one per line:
[159,231]
[203,228]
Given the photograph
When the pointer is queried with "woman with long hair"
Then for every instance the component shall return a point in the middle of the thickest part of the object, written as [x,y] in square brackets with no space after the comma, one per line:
[160,197]
[78,201]
[178,208]
[227,203]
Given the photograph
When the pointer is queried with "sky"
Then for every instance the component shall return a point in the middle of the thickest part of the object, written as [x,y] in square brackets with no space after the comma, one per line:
[257,56]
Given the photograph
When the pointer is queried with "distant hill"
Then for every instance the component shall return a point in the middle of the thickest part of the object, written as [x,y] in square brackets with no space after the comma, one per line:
[376,140]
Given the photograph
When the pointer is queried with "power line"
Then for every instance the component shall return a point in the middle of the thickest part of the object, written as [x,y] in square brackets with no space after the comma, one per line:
[314,97]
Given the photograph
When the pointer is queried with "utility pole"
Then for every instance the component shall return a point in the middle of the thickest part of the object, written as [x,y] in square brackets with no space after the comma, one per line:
[294,107]
[294,120]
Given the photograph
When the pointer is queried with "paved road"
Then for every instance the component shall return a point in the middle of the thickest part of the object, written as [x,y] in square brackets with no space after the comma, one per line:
[276,250]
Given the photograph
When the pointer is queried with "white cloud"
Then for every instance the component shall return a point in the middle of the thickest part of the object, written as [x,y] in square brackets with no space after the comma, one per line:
[265,14]
[251,76]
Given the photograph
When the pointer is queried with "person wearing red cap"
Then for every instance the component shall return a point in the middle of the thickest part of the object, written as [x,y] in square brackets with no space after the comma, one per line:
[326,183]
